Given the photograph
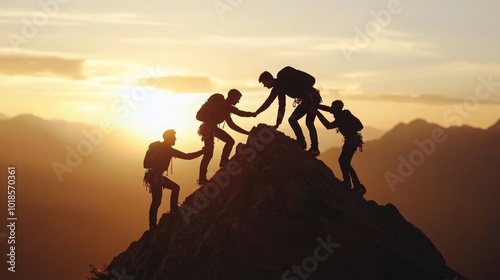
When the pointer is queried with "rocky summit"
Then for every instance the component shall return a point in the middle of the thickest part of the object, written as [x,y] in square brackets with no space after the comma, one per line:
[275,212]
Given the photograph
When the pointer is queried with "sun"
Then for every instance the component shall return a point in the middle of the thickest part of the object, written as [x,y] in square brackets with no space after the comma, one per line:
[162,110]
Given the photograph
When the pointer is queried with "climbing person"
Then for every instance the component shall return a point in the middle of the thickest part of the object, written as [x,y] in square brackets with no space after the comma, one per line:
[349,126]
[298,85]
[215,111]
[157,161]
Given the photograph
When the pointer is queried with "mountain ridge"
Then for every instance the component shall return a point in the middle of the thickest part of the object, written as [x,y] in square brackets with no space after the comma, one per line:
[443,186]
[267,210]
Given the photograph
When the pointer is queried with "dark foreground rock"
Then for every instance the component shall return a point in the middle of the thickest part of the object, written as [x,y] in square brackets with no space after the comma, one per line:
[274,212]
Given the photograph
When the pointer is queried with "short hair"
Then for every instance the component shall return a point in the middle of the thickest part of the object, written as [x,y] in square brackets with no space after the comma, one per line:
[168,134]
[265,76]
[337,104]
[234,92]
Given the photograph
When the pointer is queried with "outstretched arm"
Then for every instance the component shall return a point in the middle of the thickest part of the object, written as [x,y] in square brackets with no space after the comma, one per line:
[235,127]
[238,112]
[268,101]
[281,108]
[325,122]
[324,108]
[179,154]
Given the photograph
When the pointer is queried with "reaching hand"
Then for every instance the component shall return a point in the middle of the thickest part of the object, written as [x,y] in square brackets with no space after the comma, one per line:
[254,114]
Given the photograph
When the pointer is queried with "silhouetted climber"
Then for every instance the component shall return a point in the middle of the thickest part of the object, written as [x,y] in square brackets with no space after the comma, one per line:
[215,111]
[299,85]
[349,126]
[157,160]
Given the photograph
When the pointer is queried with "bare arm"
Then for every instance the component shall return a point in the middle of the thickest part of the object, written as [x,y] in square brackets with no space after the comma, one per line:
[238,112]
[268,101]
[324,108]
[281,108]
[235,127]
[182,155]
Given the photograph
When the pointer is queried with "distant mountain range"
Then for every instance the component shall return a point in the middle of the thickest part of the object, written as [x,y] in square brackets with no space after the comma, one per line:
[444,180]
[85,218]
[96,207]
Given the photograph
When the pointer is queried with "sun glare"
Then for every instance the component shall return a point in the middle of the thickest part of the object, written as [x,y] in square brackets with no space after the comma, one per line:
[162,110]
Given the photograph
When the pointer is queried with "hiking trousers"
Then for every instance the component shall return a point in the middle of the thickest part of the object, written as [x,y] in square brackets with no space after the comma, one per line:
[351,144]
[308,107]
[208,137]
[157,192]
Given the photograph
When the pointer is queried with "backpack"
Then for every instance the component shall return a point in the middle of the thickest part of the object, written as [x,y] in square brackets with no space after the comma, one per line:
[152,159]
[350,127]
[296,78]
[354,123]
[211,111]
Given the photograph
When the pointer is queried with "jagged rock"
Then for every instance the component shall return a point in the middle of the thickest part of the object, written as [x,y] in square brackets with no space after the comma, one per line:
[275,212]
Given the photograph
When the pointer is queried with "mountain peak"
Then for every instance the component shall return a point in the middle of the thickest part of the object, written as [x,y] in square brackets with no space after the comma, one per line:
[275,212]
[418,122]
[411,129]
[28,119]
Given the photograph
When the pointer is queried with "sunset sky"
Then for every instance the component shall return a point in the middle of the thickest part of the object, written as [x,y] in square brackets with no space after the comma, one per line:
[133,62]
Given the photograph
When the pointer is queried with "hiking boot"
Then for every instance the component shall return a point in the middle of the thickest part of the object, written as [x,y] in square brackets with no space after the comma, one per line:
[302,142]
[313,152]
[360,189]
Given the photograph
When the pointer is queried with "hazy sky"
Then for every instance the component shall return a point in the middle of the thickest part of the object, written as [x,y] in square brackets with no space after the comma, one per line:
[137,61]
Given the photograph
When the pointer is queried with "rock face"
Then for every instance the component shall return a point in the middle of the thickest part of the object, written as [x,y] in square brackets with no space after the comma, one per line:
[445,181]
[275,212]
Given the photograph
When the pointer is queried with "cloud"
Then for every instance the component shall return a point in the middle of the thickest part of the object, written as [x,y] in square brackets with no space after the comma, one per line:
[279,45]
[426,99]
[179,84]
[429,99]
[401,43]
[357,75]
[387,42]
[354,91]
[81,19]
[116,18]
[41,66]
